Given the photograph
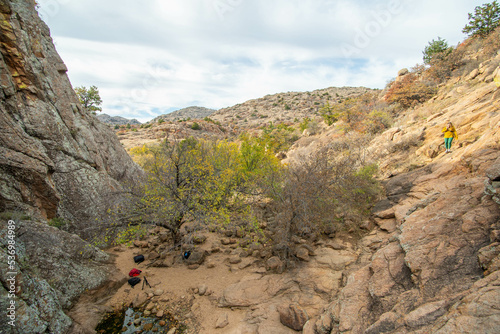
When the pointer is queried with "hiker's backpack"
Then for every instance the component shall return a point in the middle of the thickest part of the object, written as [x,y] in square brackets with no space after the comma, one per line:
[134,281]
[138,258]
[134,272]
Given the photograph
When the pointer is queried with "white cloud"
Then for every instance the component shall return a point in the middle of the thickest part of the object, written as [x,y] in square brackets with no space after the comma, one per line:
[154,56]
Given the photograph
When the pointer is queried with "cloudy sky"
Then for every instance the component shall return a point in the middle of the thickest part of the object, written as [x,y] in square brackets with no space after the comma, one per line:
[151,57]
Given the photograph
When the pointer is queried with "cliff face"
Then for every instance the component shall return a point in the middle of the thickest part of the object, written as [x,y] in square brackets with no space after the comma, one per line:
[55,158]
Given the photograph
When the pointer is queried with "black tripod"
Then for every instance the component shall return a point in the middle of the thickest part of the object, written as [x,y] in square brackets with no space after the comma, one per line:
[147,283]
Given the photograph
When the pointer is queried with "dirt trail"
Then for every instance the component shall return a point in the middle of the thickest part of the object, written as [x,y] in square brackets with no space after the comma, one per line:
[180,285]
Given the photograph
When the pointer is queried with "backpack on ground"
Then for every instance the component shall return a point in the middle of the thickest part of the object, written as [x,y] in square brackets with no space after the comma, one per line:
[138,258]
[134,281]
[134,272]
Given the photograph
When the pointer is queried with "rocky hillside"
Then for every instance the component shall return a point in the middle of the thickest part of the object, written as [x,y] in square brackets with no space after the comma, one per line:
[184,114]
[429,263]
[117,120]
[286,108]
[136,136]
[57,164]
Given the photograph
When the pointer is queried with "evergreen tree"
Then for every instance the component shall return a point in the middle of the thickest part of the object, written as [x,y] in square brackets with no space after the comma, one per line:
[485,19]
[436,50]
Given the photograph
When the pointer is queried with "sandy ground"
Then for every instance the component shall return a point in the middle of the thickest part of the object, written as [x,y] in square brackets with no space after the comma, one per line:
[180,284]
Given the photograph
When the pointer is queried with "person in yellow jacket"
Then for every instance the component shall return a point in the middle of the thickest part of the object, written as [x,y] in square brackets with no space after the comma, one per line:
[449,134]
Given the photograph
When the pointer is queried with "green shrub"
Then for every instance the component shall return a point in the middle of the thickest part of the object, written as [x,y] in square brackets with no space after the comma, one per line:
[89,98]
[304,124]
[436,50]
[13,215]
[329,113]
[58,222]
[195,126]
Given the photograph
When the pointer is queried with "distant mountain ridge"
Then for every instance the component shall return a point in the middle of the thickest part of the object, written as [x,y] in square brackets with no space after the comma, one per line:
[192,112]
[117,120]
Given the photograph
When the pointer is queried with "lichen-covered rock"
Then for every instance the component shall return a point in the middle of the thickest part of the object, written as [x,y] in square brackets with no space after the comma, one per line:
[52,268]
[477,312]
[489,258]
[56,159]
[386,323]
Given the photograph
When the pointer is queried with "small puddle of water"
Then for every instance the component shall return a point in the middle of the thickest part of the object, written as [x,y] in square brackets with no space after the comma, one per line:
[127,322]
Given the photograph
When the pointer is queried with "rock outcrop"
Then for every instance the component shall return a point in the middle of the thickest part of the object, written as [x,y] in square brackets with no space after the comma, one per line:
[56,159]
[50,270]
[432,263]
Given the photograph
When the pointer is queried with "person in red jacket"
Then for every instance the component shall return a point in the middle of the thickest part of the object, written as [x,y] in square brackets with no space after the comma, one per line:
[450,133]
